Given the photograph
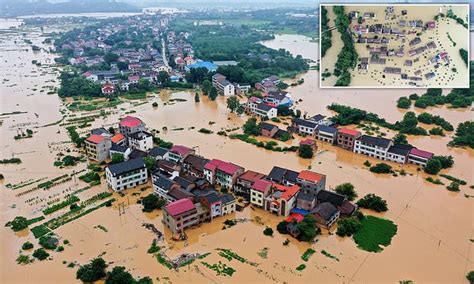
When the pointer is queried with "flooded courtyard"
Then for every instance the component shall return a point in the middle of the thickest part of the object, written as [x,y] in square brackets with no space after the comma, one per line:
[434,238]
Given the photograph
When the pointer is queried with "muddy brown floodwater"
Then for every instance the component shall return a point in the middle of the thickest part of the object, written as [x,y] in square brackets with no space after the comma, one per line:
[434,225]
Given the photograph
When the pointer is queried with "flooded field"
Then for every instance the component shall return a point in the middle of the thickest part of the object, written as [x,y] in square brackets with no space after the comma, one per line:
[434,225]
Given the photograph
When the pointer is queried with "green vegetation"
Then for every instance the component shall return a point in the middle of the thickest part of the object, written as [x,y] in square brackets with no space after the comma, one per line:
[436,131]
[348,226]
[67,161]
[233,103]
[305,152]
[91,177]
[251,127]
[205,131]
[11,161]
[75,138]
[375,232]
[40,230]
[464,135]
[307,228]
[381,168]
[464,55]
[117,158]
[307,254]
[451,178]
[403,102]
[152,202]
[23,259]
[263,253]
[27,246]
[327,254]
[470,276]
[72,199]
[270,145]
[74,84]
[220,268]
[154,248]
[326,33]
[229,255]
[93,271]
[162,143]
[40,254]
[435,119]
[19,223]
[301,267]
[373,202]
[347,57]
[437,163]
[450,14]
[346,189]
[454,186]
[48,242]
[458,98]
[268,231]
[434,181]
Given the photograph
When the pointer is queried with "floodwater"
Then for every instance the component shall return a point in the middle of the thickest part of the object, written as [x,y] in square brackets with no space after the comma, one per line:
[434,225]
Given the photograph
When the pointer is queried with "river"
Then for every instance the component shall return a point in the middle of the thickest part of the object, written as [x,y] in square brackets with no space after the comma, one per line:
[434,225]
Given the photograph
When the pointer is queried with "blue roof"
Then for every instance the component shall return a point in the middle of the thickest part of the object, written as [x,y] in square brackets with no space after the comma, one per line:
[299,211]
[206,64]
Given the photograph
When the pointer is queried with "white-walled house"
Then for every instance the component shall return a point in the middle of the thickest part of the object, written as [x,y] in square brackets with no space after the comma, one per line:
[127,174]
[141,141]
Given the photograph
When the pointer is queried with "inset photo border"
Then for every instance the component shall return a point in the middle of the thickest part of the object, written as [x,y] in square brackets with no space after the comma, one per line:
[394,45]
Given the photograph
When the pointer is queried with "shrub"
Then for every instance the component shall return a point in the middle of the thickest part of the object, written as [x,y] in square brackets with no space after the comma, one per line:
[454,186]
[40,254]
[268,231]
[93,271]
[381,168]
[403,102]
[373,202]
[48,242]
[433,167]
[152,202]
[305,152]
[26,246]
[282,227]
[348,226]
[19,223]
[347,189]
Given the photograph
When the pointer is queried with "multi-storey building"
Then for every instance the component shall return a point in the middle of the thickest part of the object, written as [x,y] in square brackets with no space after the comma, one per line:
[372,146]
[326,133]
[311,182]
[346,138]
[222,85]
[260,189]
[98,147]
[126,174]
[130,124]
[183,213]
[245,181]
[419,157]
[141,140]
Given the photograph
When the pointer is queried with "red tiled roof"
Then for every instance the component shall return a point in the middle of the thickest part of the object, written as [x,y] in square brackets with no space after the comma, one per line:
[349,132]
[180,206]
[133,78]
[228,168]
[251,176]
[118,137]
[87,74]
[310,176]
[296,217]
[130,121]
[307,141]
[261,185]
[421,153]
[181,150]
[95,138]
[254,99]
[288,191]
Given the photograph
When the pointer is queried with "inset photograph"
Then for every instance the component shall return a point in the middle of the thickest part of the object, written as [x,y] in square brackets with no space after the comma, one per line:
[394,46]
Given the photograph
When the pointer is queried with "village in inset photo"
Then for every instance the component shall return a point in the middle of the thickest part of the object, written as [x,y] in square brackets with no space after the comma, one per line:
[394,46]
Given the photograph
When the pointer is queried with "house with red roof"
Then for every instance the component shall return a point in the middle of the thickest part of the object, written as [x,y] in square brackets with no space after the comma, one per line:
[222,173]
[98,147]
[346,138]
[311,182]
[245,181]
[178,153]
[182,214]
[281,199]
[131,124]
[108,89]
[419,157]
[260,189]
[133,79]
[310,142]
[119,139]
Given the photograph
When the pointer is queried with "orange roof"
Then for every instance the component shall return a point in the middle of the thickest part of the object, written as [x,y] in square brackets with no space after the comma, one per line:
[95,138]
[310,176]
[118,137]
[349,132]
[288,191]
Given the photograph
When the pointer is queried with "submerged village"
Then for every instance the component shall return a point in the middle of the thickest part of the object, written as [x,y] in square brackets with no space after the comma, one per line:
[179,154]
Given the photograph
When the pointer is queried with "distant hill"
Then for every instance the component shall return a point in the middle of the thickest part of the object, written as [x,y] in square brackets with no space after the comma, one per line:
[15,8]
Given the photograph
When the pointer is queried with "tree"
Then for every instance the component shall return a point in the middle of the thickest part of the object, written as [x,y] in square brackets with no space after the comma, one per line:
[111,57]
[251,127]
[144,84]
[464,56]
[381,168]
[464,135]
[112,130]
[282,227]
[346,189]
[213,94]
[93,271]
[233,103]
[373,202]
[206,87]
[149,163]
[446,161]
[122,65]
[305,152]
[152,202]
[26,246]
[40,254]
[19,223]
[196,98]
[403,102]
[348,226]
[433,166]
[163,78]
[307,228]
[268,231]
[119,275]
[400,138]
[470,277]
[117,158]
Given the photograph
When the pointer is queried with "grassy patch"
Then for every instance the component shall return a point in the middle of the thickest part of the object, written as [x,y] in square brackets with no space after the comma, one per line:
[375,232]
[301,267]
[307,254]
[40,231]
[325,253]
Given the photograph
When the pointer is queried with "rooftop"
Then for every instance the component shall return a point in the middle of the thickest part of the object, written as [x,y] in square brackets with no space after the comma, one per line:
[130,121]
[261,185]
[180,206]
[127,166]
[311,176]
[117,137]
[251,176]
[350,132]
[95,138]
[421,153]
[181,150]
